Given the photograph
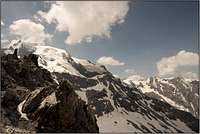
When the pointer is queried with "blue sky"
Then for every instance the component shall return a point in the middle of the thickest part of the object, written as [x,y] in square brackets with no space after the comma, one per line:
[151,30]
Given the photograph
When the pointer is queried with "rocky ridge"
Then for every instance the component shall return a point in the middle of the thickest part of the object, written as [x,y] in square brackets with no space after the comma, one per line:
[178,91]
[33,102]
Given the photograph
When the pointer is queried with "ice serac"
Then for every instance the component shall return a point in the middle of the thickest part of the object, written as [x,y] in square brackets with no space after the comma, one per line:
[34,102]
[118,106]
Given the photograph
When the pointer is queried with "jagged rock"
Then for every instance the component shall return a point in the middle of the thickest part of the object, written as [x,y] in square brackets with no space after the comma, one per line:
[26,71]
[59,110]
[31,90]
[178,91]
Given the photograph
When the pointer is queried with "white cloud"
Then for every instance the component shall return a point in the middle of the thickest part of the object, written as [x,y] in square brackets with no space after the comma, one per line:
[84,20]
[29,31]
[136,79]
[4,43]
[169,65]
[109,61]
[130,71]
[2,23]
[116,75]
[190,75]
[36,18]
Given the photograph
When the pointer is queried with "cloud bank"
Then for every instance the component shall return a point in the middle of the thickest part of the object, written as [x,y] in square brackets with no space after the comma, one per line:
[169,65]
[84,20]
[130,71]
[29,31]
[109,61]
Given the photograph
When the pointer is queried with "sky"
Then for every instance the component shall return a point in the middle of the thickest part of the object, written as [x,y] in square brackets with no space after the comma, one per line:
[130,38]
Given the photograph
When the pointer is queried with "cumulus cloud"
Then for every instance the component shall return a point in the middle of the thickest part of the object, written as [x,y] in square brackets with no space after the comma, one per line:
[4,43]
[84,20]
[130,71]
[169,65]
[29,31]
[109,61]
[135,78]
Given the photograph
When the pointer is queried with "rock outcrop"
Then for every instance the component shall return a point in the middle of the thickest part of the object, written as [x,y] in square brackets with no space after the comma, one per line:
[33,102]
[177,91]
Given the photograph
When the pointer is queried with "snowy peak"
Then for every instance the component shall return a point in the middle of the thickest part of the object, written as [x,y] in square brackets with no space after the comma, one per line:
[57,60]
[137,79]
[153,82]
[178,91]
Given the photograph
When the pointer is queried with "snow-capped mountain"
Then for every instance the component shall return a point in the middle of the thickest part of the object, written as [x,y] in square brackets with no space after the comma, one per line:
[118,107]
[179,92]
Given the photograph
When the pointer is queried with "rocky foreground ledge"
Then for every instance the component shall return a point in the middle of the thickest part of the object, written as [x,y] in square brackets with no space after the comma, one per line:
[32,101]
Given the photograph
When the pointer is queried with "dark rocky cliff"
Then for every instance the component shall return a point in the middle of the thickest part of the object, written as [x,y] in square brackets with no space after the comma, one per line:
[29,90]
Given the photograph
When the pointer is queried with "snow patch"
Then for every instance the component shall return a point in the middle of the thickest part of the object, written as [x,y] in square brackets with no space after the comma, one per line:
[55,60]
[49,100]
[19,109]
[82,95]
[89,66]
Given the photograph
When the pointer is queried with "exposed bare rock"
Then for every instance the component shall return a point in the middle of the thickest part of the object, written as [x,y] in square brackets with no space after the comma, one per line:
[33,102]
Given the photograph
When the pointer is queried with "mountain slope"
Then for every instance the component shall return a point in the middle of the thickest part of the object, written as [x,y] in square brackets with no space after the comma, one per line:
[33,102]
[179,92]
[117,106]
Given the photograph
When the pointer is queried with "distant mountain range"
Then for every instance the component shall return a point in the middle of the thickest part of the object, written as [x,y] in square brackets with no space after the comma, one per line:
[117,106]
[179,92]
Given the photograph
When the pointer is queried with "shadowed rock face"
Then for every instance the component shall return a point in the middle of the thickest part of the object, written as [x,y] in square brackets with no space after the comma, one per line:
[115,95]
[25,71]
[101,105]
[184,94]
[50,107]
[59,110]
